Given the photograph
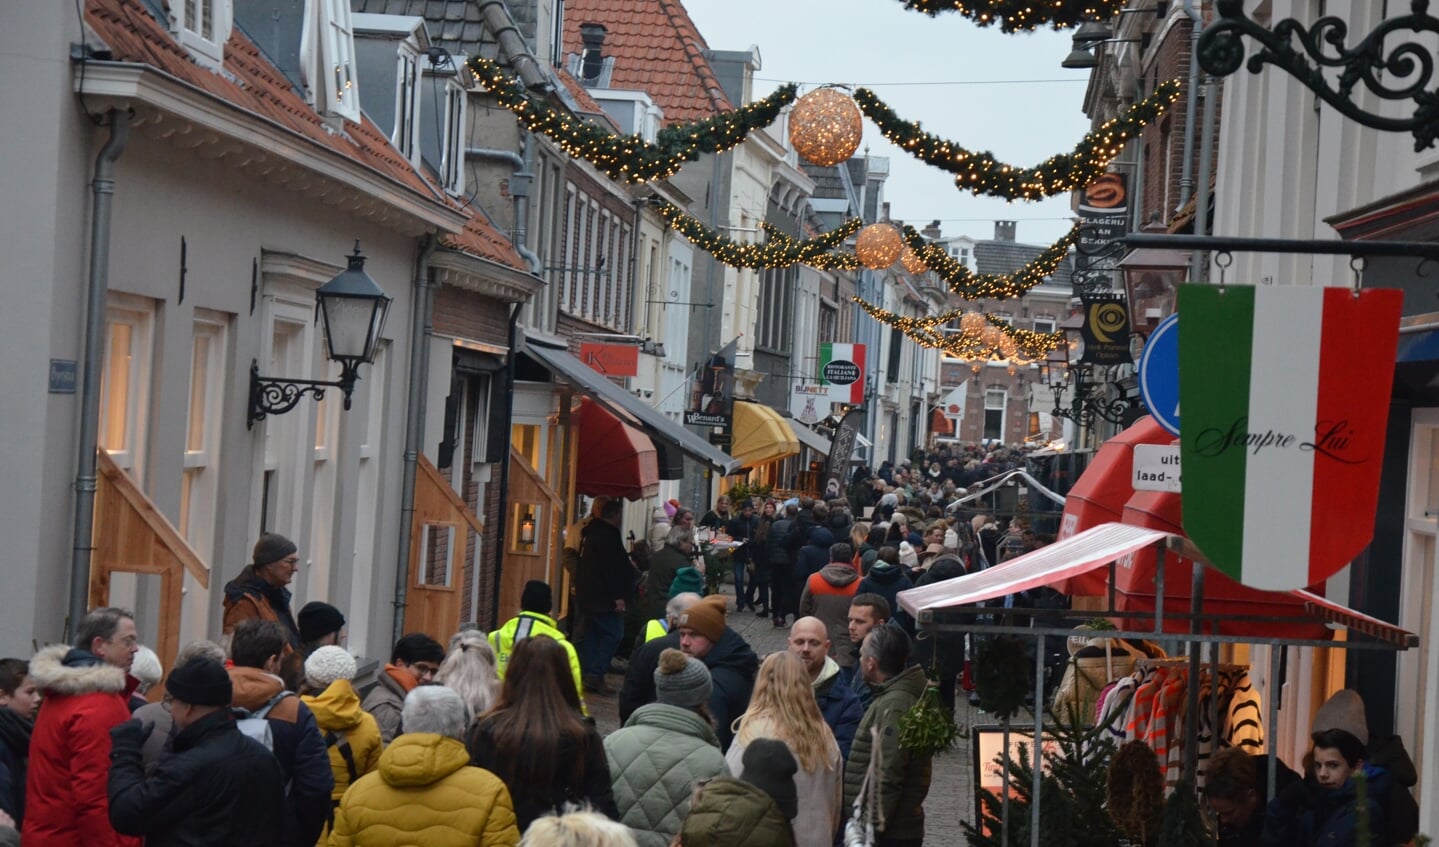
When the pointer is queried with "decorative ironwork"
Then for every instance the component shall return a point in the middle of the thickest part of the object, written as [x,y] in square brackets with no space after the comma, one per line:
[1089,400]
[270,396]
[1401,73]
[1097,259]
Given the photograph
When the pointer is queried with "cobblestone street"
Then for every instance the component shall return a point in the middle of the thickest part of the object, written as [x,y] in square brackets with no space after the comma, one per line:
[951,797]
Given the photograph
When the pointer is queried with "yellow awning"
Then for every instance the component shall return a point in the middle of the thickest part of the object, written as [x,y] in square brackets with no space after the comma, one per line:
[761,435]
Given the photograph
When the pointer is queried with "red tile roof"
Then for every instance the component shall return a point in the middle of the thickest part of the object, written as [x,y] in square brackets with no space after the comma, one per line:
[481,238]
[656,49]
[252,84]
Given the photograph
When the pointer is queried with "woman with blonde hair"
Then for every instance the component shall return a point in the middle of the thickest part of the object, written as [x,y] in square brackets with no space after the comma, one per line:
[783,708]
[469,671]
[577,828]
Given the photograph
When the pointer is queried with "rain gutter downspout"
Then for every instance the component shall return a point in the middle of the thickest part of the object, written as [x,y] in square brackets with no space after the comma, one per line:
[1186,171]
[515,341]
[102,191]
[420,331]
[526,173]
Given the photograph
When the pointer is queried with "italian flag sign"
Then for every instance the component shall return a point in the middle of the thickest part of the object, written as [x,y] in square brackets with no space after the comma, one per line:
[1285,393]
[841,367]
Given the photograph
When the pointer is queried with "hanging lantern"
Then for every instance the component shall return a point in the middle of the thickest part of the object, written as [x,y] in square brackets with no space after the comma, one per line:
[878,245]
[912,261]
[972,323]
[825,126]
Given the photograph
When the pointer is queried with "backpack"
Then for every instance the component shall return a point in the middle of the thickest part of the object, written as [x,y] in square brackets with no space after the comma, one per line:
[255,725]
[341,743]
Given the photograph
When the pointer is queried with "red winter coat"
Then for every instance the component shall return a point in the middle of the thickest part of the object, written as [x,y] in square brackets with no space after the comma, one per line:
[66,804]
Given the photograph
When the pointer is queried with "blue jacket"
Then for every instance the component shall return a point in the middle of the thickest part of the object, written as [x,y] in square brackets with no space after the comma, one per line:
[813,556]
[1306,815]
[839,705]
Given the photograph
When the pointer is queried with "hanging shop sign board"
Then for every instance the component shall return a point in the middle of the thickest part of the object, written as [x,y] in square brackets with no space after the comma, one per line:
[1105,329]
[836,465]
[841,367]
[712,398]
[1159,374]
[809,402]
[1156,468]
[611,359]
[1285,392]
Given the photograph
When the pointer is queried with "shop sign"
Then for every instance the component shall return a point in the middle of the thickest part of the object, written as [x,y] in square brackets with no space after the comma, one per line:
[1286,392]
[1156,468]
[809,402]
[1105,329]
[712,398]
[841,367]
[836,465]
[611,359]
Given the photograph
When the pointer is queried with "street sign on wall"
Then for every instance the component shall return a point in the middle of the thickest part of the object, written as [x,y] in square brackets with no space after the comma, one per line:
[1286,393]
[1156,468]
[1159,374]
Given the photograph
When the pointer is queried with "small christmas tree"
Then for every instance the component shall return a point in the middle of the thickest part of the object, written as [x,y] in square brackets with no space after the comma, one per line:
[1071,809]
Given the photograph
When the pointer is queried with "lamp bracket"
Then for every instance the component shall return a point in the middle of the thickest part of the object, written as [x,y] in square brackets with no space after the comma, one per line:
[276,396]
[1404,73]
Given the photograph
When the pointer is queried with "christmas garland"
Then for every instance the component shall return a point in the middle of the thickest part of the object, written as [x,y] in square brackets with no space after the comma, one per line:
[775,252]
[629,158]
[1029,344]
[1026,15]
[972,286]
[982,173]
[821,260]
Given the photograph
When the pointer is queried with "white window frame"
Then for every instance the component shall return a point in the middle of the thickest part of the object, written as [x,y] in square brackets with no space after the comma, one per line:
[452,145]
[200,484]
[138,314]
[1002,408]
[1417,717]
[208,50]
[1045,319]
[480,435]
[406,133]
[337,89]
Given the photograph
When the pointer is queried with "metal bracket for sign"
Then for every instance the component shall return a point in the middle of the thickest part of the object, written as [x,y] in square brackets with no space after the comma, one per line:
[1223,244]
[1403,73]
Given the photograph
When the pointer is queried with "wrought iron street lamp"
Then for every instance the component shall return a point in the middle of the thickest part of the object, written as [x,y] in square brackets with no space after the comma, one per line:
[1151,284]
[351,309]
[1066,372]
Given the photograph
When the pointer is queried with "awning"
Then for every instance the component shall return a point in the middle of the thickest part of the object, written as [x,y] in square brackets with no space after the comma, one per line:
[1095,548]
[760,435]
[614,458]
[621,402]
[811,439]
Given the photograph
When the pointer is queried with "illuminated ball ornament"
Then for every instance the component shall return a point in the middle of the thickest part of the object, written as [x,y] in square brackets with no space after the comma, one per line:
[826,126]
[912,261]
[878,245]
[972,323]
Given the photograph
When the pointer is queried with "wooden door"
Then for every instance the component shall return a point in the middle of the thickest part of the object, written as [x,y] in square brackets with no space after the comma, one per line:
[535,516]
[442,530]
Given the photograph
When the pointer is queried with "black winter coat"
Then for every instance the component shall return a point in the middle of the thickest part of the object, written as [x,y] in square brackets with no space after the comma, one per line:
[732,665]
[220,788]
[14,760]
[605,573]
[813,556]
[532,802]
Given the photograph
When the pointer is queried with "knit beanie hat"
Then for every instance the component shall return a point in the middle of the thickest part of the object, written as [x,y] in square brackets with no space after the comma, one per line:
[328,664]
[681,680]
[707,617]
[770,767]
[537,597]
[687,580]
[671,507]
[317,620]
[951,539]
[200,682]
[907,556]
[1345,710]
[272,547]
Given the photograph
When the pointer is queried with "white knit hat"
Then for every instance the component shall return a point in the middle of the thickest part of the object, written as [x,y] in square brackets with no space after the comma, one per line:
[328,664]
[907,556]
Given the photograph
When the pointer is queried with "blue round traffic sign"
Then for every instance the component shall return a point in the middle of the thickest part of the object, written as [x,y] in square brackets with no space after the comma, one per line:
[1159,374]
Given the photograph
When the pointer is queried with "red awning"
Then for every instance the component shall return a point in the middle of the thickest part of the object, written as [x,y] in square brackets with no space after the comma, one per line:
[615,459]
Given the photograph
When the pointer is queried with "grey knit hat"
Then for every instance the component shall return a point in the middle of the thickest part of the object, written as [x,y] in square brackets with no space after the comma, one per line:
[681,680]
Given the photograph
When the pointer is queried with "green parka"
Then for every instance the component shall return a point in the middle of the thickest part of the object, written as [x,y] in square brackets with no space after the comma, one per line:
[732,812]
[903,776]
[655,761]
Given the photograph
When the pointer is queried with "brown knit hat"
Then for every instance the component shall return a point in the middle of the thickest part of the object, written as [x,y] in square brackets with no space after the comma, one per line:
[707,617]
[1345,710]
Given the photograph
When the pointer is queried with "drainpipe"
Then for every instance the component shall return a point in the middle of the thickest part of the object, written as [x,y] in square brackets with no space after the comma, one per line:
[102,191]
[1199,263]
[505,460]
[525,175]
[420,330]
[1186,171]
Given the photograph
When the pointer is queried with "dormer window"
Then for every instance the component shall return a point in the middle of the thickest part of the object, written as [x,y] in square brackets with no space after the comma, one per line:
[407,104]
[338,85]
[202,27]
[442,119]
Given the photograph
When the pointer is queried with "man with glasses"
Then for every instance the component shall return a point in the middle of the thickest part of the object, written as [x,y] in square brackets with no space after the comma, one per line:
[86,688]
[260,591]
[413,663]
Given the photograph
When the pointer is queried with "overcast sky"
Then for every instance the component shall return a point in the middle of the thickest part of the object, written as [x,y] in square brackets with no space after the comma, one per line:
[869,42]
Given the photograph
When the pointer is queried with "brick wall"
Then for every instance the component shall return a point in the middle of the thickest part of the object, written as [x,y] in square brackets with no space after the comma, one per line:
[465,314]
[1163,154]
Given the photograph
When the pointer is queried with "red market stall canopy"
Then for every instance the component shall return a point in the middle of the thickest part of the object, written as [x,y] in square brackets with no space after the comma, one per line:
[615,459]
[1094,549]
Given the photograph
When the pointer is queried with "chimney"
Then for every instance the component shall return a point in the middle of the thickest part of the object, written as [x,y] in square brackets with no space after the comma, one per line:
[1004,231]
[932,232]
[884,213]
[592,59]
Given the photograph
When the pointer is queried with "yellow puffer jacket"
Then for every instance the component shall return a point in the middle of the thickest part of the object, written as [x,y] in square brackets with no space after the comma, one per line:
[337,709]
[426,792]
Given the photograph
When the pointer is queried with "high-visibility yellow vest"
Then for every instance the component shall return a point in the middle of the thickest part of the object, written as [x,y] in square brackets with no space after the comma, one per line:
[523,626]
[657,628]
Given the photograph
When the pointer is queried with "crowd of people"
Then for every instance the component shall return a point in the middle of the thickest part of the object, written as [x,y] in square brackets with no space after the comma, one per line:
[488,739]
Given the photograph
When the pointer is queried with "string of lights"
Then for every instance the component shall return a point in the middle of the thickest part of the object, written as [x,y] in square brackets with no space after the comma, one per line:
[977,338]
[1022,15]
[981,173]
[629,158]
[972,286]
[781,252]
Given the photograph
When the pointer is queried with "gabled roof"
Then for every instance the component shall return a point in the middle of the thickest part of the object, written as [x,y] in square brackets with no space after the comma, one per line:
[657,49]
[249,82]
[1005,257]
